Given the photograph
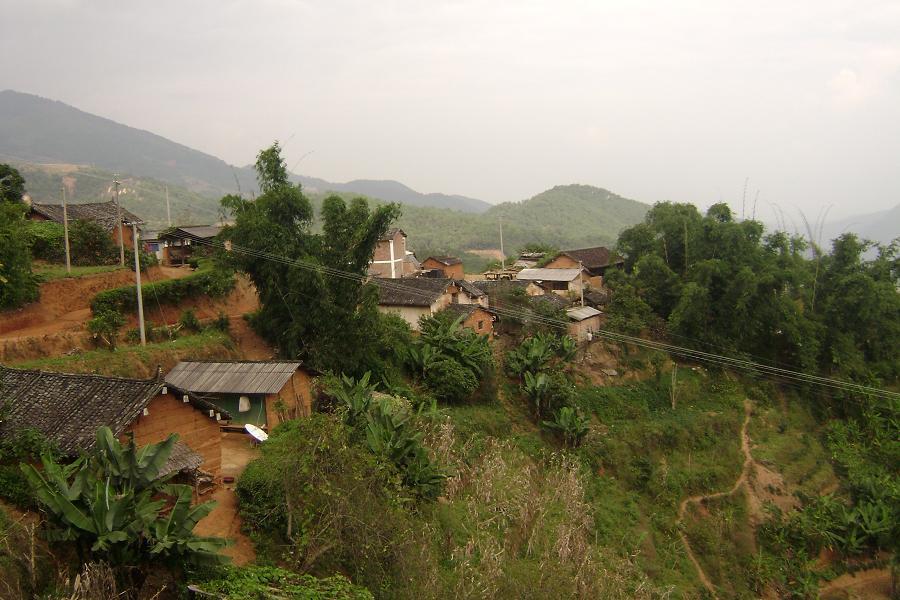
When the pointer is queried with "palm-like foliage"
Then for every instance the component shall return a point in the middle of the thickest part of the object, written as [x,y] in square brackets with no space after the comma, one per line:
[570,424]
[537,389]
[353,395]
[112,503]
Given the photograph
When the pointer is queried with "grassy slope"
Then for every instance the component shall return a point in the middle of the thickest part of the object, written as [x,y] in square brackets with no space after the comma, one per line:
[137,361]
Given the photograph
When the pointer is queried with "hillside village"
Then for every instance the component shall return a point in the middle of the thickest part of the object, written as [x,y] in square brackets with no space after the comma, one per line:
[398,426]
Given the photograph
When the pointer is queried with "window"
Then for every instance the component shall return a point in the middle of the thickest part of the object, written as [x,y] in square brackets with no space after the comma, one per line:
[480,325]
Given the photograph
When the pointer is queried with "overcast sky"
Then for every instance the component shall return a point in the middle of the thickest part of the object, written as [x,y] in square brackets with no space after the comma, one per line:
[499,101]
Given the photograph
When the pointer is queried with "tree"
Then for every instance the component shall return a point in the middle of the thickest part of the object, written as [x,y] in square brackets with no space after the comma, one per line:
[313,304]
[17,284]
[12,185]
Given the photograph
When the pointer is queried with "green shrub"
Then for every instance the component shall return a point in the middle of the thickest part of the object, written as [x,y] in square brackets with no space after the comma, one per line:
[91,244]
[324,505]
[147,259]
[26,445]
[571,425]
[46,239]
[105,326]
[189,321]
[213,283]
[18,285]
[449,381]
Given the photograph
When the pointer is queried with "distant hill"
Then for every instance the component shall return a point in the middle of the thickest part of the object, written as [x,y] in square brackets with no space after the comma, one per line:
[882,226]
[38,130]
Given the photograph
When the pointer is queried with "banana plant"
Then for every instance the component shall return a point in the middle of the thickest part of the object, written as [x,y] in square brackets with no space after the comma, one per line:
[569,423]
[532,356]
[354,396]
[112,503]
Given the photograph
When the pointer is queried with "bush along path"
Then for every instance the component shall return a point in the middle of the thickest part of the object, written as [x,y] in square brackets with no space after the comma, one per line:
[742,480]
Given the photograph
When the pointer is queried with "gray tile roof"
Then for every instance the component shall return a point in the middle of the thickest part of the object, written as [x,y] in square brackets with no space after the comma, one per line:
[198,232]
[69,408]
[232,377]
[183,459]
[594,258]
[413,291]
[580,313]
[103,213]
[445,260]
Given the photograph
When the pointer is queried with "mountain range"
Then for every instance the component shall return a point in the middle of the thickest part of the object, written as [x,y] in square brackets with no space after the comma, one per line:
[38,130]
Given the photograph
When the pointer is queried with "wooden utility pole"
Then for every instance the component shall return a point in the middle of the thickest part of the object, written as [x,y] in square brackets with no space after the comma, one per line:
[137,278]
[119,224]
[66,231]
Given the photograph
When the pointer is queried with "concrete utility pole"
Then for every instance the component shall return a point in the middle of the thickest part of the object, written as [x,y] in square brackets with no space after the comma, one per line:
[119,224]
[137,278]
[168,208]
[502,253]
[66,231]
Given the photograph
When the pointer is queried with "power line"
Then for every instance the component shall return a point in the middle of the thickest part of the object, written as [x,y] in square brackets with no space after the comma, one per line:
[681,351]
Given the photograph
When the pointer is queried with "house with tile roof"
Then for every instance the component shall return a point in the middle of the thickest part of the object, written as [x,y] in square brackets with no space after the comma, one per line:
[391,258]
[68,409]
[104,214]
[594,260]
[179,244]
[449,266]
[412,298]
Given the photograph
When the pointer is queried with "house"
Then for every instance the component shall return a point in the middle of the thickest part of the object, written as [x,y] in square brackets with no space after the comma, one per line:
[391,259]
[68,409]
[414,297]
[104,214]
[584,321]
[495,288]
[560,281]
[449,266]
[262,393]
[476,317]
[179,244]
[594,260]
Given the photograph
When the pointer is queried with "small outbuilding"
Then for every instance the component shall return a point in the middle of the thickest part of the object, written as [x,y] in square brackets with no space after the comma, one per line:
[584,322]
[262,393]
[475,317]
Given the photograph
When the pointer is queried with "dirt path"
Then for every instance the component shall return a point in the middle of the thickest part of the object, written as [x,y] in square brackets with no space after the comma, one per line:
[872,583]
[741,481]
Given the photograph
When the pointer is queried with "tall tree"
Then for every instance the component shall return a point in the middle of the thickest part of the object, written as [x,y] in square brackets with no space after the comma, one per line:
[17,284]
[12,184]
[308,309]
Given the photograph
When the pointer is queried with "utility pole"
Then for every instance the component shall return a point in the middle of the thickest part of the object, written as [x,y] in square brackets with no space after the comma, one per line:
[502,253]
[168,208]
[119,224]
[66,231]
[581,280]
[137,278]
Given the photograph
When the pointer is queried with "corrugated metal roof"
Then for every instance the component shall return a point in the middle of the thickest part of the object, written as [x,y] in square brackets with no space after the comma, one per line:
[580,313]
[235,377]
[548,274]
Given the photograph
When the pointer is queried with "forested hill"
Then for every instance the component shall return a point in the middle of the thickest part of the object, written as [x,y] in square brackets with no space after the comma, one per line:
[42,131]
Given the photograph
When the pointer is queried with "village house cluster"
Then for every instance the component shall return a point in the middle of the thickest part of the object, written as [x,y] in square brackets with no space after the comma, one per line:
[212,404]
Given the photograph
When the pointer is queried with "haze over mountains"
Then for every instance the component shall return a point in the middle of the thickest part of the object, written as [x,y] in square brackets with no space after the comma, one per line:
[38,130]
[85,150]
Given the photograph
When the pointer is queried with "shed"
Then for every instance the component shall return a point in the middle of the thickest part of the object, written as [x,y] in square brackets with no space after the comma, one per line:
[262,393]
[584,321]
[68,409]
[475,317]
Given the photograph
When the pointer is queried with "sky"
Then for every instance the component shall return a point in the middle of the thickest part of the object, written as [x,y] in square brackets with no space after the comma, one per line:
[686,101]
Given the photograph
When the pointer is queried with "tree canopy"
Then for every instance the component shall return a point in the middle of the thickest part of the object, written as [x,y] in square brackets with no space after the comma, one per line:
[308,309]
